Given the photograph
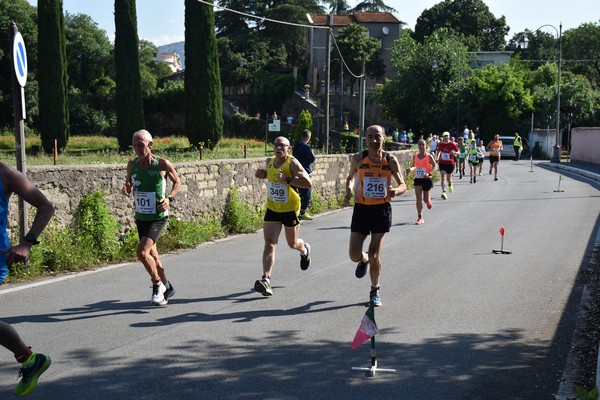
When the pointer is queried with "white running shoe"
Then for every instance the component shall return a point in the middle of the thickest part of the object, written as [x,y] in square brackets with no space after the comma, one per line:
[158,294]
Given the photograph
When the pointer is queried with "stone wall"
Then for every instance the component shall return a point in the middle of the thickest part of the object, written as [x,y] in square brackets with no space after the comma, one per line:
[204,190]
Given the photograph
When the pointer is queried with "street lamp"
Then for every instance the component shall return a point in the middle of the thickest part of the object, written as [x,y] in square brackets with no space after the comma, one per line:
[524,43]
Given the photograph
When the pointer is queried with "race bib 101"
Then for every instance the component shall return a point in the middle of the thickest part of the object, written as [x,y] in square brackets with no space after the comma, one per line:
[145,202]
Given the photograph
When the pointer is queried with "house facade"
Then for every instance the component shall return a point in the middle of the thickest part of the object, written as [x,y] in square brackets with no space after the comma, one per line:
[382,26]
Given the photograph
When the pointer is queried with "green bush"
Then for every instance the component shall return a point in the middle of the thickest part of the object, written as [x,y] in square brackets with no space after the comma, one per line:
[583,394]
[238,217]
[95,228]
[128,245]
[188,234]
[348,142]
[84,116]
[304,122]
[58,252]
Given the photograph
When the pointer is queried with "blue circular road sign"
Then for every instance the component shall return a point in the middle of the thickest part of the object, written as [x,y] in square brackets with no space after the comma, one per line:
[20,59]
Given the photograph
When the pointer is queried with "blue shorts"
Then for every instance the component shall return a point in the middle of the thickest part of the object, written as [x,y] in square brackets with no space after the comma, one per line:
[3,268]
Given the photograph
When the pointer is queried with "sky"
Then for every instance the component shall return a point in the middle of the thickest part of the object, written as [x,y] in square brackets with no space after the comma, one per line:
[162,21]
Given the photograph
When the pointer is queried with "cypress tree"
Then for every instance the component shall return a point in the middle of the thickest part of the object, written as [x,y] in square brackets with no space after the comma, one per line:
[203,98]
[52,76]
[128,99]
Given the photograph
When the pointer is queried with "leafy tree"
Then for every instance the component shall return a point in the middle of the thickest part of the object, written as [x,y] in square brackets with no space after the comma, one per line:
[542,47]
[372,6]
[292,38]
[89,50]
[498,98]
[150,70]
[304,122]
[129,106]
[338,7]
[424,95]
[91,90]
[260,42]
[471,18]
[235,68]
[25,16]
[583,43]
[233,25]
[53,79]
[87,116]
[203,99]
[357,48]
[577,96]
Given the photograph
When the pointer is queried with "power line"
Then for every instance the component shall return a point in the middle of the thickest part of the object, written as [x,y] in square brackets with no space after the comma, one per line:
[262,19]
[276,21]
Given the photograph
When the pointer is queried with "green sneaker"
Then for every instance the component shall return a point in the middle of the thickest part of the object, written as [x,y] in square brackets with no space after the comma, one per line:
[444,196]
[306,216]
[450,188]
[31,374]
[263,287]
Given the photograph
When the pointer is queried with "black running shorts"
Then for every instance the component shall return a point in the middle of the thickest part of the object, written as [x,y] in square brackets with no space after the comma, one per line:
[371,219]
[289,219]
[447,168]
[151,229]
[425,183]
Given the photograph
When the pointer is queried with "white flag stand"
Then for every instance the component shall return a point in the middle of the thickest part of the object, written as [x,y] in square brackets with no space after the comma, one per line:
[559,190]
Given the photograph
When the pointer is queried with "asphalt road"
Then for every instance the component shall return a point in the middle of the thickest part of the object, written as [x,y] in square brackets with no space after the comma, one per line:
[458,322]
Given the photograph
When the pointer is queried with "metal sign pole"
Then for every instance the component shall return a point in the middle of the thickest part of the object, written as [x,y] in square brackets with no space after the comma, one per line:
[19,78]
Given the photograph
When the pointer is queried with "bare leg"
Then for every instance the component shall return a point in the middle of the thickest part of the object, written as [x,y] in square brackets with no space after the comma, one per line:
[443,180]
[144,254]
[374,257]
[356,244]
[159,267]
[271,233]
[10,339]
[419,196]
[291,236]
[426,196]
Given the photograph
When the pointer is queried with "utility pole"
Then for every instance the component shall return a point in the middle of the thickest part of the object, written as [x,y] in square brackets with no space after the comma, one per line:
[328,78]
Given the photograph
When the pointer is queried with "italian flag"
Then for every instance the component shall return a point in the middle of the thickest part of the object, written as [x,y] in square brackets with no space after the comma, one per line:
[367,328]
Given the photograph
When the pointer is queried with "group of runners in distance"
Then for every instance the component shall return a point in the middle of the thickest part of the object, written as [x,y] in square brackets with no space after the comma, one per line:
[450,157]
[369,183]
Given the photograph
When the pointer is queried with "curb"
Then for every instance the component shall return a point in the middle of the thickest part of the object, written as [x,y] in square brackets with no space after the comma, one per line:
[578,171]
[566,389]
